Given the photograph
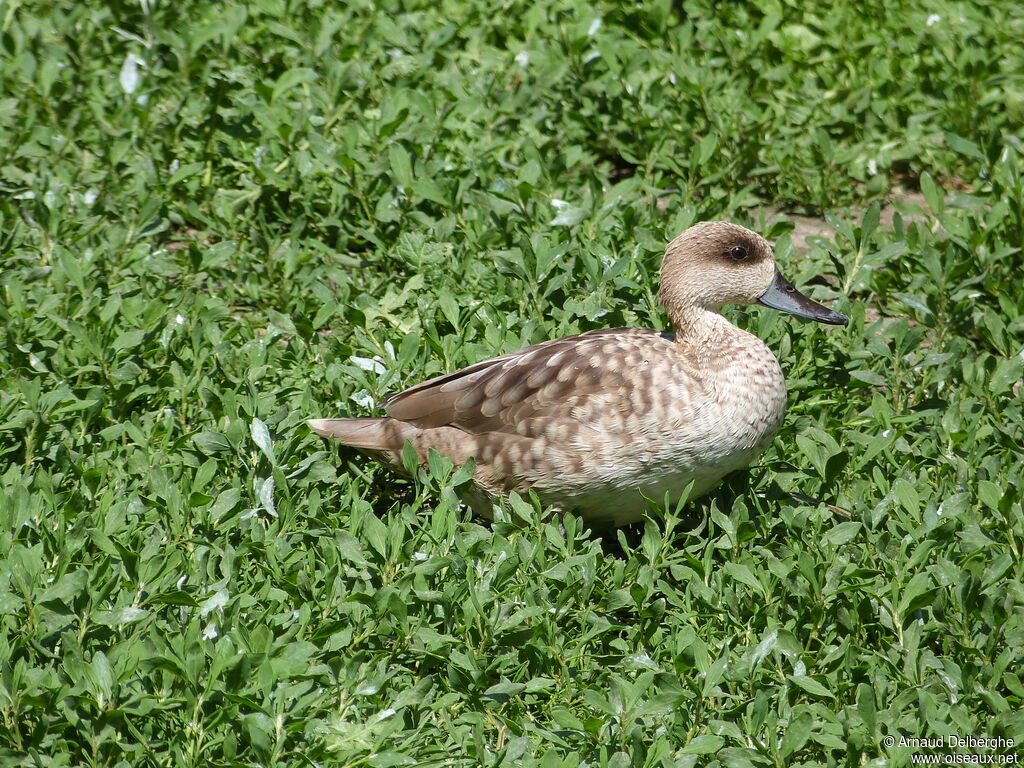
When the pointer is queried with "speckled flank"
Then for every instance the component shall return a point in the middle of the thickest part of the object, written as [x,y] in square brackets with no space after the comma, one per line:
[591,422]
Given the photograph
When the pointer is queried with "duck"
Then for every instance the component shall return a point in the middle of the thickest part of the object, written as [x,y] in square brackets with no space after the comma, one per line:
[600,422]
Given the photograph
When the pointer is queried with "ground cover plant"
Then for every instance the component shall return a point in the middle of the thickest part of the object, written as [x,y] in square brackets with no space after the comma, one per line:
[220,219]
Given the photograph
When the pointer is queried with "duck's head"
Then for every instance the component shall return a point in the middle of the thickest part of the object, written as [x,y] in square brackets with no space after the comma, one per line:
[715,263]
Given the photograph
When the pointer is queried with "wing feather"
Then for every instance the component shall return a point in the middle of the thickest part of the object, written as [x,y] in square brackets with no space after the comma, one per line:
[518,392]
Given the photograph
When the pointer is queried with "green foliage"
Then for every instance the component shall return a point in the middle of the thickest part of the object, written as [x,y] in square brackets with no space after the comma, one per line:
[218,220]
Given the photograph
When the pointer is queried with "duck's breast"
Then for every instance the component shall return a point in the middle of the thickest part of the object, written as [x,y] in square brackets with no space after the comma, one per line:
[750,394]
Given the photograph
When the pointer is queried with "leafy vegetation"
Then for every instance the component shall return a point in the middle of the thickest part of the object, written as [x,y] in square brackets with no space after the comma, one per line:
[220,219]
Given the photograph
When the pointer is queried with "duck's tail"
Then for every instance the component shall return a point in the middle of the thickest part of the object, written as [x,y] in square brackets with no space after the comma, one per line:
[366,434]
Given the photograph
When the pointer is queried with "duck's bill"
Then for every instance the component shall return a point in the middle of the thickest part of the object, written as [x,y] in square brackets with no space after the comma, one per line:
[783,296]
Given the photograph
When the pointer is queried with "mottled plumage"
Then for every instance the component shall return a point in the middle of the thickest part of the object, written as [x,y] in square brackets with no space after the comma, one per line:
[590,422]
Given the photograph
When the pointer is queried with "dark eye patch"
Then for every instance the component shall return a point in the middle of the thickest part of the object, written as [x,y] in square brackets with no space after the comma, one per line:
[738,253]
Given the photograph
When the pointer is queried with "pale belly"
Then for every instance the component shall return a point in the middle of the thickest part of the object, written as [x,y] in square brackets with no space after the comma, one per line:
[617,494]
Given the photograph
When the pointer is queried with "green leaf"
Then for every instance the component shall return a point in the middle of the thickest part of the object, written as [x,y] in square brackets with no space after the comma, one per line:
[932,194]
[67,588]
[440,466]
[843,533]
[225,502]
[376,534]
[430,190]
[184,172]
[174,597]
[389,758]
[869,223]
[401,167]
[261,436]
[990,494]
[706,149]
[714,676]
[963,146]
[811,686]
[410,459]
[1008,372]
[907,496]
[464,473]
[866,706]
[292,79]
[504,690]
[914,594]
[868,377]
[796,734]
[128,340]
[744,575]
[705,744]
[102,677]
[211,442]
[537,684]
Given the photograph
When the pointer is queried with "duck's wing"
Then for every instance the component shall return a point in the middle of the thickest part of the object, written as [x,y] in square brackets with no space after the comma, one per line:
[520,392]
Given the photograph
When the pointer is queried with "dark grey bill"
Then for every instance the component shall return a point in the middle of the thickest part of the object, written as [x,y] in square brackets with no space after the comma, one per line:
[782,295]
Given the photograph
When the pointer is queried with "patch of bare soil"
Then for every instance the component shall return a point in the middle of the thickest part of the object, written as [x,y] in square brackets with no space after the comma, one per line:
[909,204]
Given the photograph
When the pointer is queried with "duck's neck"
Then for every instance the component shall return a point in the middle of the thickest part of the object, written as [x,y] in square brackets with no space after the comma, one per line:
[704,331]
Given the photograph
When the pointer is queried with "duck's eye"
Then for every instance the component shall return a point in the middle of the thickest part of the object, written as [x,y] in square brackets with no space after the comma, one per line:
[738,253]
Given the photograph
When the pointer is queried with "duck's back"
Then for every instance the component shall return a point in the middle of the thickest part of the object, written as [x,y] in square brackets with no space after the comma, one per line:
[560,382]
